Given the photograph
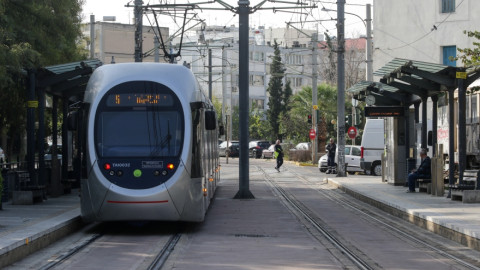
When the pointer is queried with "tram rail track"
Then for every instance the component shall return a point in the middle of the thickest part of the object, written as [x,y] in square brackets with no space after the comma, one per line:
[416,238]
[166,247]
[301,209]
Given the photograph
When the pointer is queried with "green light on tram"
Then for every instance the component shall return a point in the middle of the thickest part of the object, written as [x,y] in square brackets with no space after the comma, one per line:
[137,173]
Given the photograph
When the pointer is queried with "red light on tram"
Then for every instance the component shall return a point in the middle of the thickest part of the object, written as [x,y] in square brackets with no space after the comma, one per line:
[170,166]
[107,166]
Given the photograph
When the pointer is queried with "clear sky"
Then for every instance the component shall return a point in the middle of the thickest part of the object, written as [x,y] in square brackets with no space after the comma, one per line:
[267,18]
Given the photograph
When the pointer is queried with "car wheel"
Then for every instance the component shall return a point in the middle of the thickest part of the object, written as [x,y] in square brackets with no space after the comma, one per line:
[322,170]
[377,169]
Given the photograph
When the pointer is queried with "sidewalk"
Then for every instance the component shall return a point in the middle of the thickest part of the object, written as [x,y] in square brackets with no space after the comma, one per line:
[452,219]
[27,228]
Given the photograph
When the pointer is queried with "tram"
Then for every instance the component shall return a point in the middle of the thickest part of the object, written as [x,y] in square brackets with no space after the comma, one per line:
[151,145]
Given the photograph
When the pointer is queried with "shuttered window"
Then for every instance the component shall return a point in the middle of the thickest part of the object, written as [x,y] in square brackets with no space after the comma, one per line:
[449,51]
[448,6]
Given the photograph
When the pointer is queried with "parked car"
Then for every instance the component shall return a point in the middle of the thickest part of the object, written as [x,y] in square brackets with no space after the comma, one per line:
[302,146]
[232,149]
[268,153]
[352,158]
[2,155]
[48,154]
[255,148]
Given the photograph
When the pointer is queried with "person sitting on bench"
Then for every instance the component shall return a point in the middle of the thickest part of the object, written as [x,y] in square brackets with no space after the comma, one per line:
[423,172]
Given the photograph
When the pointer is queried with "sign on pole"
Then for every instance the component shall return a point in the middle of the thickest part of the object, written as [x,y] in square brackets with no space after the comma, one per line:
[352,133]
[312,134]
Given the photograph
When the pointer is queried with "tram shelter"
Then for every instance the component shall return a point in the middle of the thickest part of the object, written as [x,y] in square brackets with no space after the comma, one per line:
[66,85]
[404,83]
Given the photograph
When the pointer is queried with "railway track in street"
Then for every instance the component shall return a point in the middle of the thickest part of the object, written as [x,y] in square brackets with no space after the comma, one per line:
[405,233]
[359,259]
[151,254]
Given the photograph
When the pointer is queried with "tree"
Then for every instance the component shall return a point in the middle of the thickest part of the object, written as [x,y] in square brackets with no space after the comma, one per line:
[32,34]
[354,59]
[470,57]
[275,90]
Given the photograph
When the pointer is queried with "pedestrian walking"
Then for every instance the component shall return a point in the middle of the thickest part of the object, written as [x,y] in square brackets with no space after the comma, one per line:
[278,155]
[331,149]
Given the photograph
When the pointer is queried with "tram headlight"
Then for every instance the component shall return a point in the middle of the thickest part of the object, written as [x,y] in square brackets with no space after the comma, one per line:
[107,166]
[170,166]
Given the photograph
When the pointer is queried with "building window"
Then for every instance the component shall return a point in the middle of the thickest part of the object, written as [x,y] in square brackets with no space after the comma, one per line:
[258,103]
[448,6]
[257,56]
[256,80]
[295,81]
[449,51]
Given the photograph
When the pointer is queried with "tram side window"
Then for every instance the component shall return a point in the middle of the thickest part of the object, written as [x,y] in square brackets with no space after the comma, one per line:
[474,109]
[197,144]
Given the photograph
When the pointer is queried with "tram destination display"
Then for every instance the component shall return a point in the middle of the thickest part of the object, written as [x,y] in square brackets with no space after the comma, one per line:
[384,111]
[137,99]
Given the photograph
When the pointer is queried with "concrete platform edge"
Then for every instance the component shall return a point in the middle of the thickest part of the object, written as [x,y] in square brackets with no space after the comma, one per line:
[36,241]
[423,221]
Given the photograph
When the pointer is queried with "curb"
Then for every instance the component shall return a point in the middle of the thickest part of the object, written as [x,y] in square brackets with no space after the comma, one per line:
[27,241]
[414,218]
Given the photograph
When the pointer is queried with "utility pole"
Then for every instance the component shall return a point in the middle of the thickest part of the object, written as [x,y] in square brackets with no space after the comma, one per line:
[314,96]
[138,30]
[210,74]
[369,44]
[92,36]
[243,11]
[341,87]
[224,85]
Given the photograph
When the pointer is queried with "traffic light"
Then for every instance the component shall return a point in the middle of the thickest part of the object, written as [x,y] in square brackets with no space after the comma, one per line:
[358,116]
[348,120]
[309,119]
[319,119]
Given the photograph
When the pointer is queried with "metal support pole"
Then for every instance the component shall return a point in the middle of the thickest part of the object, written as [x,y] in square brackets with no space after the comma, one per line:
[65,141]
[156,45]
[424,122]
[434,124]
[138,30]
[224,85]
[41,136]
[210,74]
[314,97]
[243,13]
[31,125]
[417,121]
[341,87]
[369,61]
[462,129]
[451,140]
[407,134]
[54,127]
[92,36]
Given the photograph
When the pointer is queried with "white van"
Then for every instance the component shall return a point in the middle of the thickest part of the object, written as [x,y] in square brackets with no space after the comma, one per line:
[372,146]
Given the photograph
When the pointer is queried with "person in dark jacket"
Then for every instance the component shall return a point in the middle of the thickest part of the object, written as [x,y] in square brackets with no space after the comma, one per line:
[279,150]
[331,149]
[423,172]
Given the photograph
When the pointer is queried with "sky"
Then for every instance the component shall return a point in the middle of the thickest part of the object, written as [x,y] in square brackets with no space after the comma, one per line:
[353,27]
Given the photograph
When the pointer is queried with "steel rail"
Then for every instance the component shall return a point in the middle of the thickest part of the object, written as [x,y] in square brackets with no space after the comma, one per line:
[60,259]
[332,239]
[163,255]
[355,207]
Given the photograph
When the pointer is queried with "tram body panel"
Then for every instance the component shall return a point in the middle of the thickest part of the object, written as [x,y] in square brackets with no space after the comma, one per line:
[180,196]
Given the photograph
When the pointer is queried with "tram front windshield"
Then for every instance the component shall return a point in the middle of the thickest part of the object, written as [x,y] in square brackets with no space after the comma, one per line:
[139,134]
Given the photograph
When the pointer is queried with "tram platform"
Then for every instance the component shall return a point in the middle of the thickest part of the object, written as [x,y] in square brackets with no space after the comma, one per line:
[452,219]
[27,228]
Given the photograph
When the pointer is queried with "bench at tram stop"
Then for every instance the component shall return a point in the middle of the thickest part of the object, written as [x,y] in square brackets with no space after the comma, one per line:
[467,190]
[25,192]
[435,185]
